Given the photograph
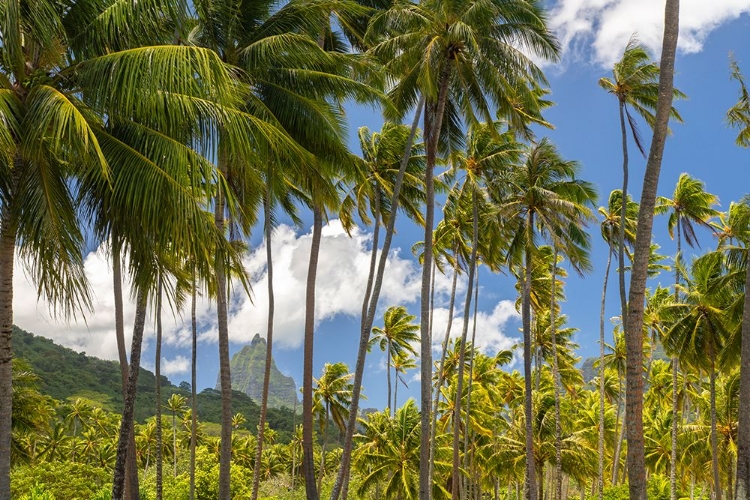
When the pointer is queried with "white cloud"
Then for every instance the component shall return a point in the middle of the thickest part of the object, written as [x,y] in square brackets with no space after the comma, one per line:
[491,327]
[180,364]
[342,274]
[608,24]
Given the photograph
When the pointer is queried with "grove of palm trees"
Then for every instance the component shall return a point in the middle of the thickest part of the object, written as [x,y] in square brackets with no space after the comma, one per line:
[174,138]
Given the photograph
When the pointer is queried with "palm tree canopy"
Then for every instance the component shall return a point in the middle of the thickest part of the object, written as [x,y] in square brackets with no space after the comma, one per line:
[690,205]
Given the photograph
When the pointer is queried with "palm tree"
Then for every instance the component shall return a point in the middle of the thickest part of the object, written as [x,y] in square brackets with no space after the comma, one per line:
[699,331]
[639,274]
[738,116]
[332,399]
[447,51]
[544,196]
[610,226]
[635,84]
[690,205]
[401,363]
[396,338]
[175,404]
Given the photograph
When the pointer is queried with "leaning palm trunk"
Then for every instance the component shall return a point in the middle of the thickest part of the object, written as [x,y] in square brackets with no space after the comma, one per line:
[742,489]
[455,491]
[369,306]
[157,376]
[600,483]
[225,377]
[267,205]
[556,382]
[126,425]
[433,124]
[531,484]
[308,467]
[634,324]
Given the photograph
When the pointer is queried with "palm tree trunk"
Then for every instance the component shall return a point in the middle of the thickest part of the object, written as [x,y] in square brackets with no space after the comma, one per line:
[395,393]
[526,319]
[8,230]
[267,205]
[639,274]
[471,376]
[600,483]
[623,218]
[193,390]
[126,425]
[131,466]
[455,491]
[174,444]
[433,126]
[675,367]
[388,376]
[620,439]
[742,489]
[225,376]
[714,440]
[157,376]
[342,478]
[308,467]
[556,380]
[323,450]
[441,375]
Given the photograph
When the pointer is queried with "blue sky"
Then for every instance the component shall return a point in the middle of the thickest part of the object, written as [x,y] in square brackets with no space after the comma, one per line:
[594,33]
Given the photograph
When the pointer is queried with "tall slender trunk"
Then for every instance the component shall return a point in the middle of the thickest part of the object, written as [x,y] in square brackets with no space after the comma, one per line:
[623,218]
[441,366]
[193,390]
[621,438]
[471,374]
[455,491]
[639,274]
[294,437]
[323,449]
[531,491]
[342,478]
[388,376]
[742,488]
[675,367]
[308,467]
[556,380]
[600,483]
[157,376]
[433,126]
[131,466]
[267,206]
[8,229]
[126,424]
[714,439]
[225,376]
[174,443]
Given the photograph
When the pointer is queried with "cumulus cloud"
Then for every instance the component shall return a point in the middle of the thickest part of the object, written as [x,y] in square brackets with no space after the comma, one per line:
[606,25]
[342,274]
[180,364]
[492,334]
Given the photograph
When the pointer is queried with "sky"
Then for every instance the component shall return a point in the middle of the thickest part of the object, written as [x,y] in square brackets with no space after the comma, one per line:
[593,34]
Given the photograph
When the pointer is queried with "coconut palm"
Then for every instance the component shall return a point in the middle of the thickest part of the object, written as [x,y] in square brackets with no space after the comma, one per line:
[544,199]
[447,51]
[690,206]
[639,274]
[610,226]
[332,399]
[699,331]
[396,338]
[176,405]
[738,117]
[401,363]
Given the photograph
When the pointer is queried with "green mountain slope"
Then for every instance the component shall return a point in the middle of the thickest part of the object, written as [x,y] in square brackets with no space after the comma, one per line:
[247,367]
[66,374]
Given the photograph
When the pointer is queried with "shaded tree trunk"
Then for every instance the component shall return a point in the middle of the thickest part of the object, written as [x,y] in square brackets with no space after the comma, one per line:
[675,409]
[368,314]
[126,424]
[600,483]
[157,376]
[308,467]
[455,491]
[742,488]
[267,206]
[556,382]
[714,439]
[639,274]
[225,376]
[193,390]
[8,230]
[531,492]
[433,125]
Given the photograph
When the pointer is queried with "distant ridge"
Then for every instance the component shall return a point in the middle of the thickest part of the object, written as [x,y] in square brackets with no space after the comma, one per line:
[247,368]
